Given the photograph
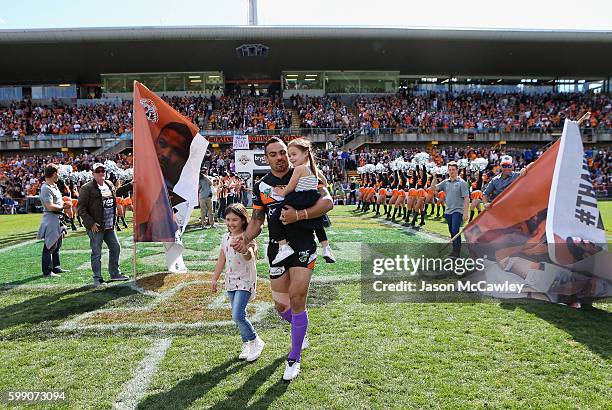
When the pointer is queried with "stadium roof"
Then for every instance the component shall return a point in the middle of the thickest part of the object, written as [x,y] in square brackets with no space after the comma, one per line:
[81,55]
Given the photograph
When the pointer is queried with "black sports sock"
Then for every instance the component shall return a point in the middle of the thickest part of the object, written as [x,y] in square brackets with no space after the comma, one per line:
[472,214]
[423,217]
[394,212]
[438,211]
[414,218]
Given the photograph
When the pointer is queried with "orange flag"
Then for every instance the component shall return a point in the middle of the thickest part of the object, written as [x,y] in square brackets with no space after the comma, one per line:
[512,236]
[517,217]
[162,145]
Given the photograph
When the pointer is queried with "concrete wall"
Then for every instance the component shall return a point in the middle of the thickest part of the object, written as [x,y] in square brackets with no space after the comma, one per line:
[91,141]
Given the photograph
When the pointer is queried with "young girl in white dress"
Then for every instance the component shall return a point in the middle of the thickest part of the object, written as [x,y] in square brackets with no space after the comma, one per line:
[240,279]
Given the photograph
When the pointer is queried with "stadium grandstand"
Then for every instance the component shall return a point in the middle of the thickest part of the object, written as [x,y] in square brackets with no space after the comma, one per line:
[349,90]
[409,85]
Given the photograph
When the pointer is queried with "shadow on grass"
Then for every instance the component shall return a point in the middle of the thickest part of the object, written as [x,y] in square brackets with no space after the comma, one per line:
[20,281]
[60,305]
[188,391]
[591,327]
[185,393]
[239,398]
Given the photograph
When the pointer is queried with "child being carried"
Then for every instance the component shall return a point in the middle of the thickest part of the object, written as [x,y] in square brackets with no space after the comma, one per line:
[301,193]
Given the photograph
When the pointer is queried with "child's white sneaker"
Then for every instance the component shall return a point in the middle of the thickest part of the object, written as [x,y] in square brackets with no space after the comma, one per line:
[284,252]
[255,348]
[292,369]
[245,351]
[328,255]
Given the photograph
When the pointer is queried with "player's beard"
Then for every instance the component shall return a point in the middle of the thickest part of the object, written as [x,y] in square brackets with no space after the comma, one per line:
[281,166]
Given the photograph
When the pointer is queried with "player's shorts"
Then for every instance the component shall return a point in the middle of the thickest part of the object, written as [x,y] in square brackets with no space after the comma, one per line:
[382,192]
[412,192]
[305,255]
[421,193]
[441,195]
[400,193]
[476,195]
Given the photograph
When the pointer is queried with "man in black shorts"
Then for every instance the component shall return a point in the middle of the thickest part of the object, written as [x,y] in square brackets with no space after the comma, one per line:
[290,281]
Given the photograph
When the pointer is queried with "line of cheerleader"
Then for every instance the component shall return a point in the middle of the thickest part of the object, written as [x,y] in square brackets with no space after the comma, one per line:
[407,196]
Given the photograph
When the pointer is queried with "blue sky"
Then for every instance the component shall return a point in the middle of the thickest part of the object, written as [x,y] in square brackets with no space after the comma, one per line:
[518,14]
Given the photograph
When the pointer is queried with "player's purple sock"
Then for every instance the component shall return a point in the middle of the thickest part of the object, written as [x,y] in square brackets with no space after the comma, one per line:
[286,315]
[299,325]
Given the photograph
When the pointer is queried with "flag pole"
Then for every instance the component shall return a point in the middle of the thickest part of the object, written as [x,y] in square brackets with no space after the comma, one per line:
[133,192]
[585,117]
[134,231]
[452,239]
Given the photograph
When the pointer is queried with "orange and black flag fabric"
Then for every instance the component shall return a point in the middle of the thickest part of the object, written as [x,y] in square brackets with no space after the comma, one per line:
[535,233]
[168,153]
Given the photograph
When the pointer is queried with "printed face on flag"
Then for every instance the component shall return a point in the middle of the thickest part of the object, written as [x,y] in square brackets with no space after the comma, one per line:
[168,153]
[172,148]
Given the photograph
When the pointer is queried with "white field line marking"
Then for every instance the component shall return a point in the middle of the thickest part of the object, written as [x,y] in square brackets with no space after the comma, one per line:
[135,389]
[19,245]
[219,302]
[433,237]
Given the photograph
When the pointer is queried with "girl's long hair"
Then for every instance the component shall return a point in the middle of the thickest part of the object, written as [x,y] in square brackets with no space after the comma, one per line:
[305,146]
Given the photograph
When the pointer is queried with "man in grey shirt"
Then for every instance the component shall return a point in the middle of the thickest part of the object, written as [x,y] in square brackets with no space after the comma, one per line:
[206,206]
[51,229]
[457,203]
[501,181]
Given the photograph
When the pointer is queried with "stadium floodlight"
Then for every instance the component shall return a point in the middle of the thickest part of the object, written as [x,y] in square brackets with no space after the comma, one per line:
[252,50]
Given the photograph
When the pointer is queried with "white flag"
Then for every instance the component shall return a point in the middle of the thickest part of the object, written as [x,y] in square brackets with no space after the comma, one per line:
[573,217]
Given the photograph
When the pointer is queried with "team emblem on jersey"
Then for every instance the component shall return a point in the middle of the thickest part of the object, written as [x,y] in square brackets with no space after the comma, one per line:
[150,109]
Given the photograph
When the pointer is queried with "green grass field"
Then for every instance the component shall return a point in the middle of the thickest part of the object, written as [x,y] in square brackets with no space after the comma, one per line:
[61,334]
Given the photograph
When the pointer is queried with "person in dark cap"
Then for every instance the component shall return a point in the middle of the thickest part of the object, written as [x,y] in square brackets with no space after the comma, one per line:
[97,209]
